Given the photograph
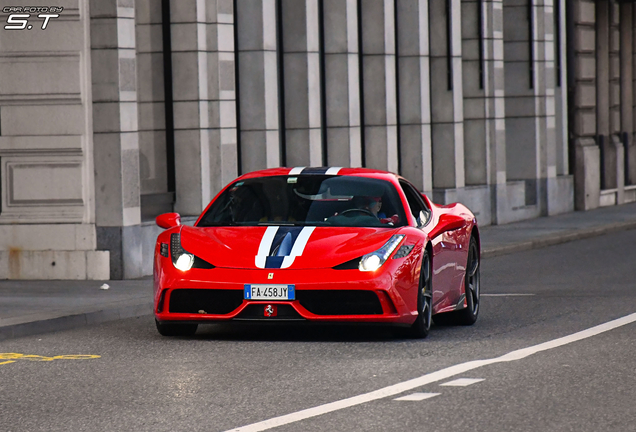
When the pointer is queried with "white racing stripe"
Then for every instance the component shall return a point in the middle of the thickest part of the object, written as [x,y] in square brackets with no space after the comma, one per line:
[432,377]
[296,170]
[265,246]
[333,170]
[299,246]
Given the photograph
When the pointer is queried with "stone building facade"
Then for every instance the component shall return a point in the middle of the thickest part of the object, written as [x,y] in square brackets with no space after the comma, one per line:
[123,109]
[602,107]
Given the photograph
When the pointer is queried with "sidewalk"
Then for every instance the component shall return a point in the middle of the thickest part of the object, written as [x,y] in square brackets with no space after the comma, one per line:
[32,307]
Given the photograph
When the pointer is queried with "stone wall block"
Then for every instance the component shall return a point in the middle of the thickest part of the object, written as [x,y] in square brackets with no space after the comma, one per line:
[587,174]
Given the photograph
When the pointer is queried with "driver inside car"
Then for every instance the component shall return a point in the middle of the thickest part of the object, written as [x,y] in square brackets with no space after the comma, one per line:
[370,205]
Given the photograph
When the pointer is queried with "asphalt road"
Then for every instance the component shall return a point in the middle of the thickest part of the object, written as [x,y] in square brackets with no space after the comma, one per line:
[225,378]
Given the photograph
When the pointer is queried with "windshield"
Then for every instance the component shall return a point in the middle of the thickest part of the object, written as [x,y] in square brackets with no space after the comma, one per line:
[318,200]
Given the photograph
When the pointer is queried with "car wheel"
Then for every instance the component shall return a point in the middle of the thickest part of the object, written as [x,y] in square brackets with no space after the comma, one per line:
[422,324]
[468,315]
[168,329]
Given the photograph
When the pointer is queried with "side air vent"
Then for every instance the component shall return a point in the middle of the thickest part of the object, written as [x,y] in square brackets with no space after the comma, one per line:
[403,251]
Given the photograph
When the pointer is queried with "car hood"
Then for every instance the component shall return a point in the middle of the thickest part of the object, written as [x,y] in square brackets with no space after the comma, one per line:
[282,246]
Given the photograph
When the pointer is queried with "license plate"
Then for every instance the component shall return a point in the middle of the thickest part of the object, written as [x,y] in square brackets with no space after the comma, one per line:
[269,292]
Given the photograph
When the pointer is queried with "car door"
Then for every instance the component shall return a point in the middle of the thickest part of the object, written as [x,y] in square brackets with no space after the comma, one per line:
[444,268]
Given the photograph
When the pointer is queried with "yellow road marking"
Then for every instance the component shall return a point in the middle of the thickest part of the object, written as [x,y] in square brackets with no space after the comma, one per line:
[12,357]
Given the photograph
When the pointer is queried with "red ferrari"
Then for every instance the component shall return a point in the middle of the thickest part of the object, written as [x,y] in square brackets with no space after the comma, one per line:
[318,245]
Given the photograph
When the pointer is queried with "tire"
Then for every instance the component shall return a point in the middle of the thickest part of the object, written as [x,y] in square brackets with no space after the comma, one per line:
[468,315]
[422,325]
[168,329]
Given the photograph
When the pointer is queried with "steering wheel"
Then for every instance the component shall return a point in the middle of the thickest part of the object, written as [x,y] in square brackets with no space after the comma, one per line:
[358,210]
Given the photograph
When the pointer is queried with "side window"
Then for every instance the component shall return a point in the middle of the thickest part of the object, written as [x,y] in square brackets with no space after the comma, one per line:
[416,204]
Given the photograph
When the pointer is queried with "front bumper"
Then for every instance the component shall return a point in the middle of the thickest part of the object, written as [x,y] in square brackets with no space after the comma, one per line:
[322,295]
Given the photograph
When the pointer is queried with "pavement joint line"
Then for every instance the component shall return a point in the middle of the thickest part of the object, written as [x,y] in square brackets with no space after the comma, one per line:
[432,377]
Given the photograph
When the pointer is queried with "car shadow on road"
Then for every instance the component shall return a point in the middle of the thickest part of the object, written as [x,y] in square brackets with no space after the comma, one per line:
[298,333]
[278,332]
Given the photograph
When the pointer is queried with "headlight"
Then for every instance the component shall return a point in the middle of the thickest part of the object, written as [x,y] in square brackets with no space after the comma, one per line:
[182,259]
[374,260]
[184,262]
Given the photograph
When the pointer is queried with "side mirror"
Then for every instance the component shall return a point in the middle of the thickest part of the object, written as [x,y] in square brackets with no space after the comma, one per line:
[168,220]
[447,222]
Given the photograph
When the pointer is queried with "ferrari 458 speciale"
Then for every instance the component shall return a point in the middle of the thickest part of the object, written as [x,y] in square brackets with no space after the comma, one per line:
[334,245]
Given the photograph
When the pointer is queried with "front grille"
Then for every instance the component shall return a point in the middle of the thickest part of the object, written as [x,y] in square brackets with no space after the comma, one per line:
[340,302]
[257,312]
[205,301]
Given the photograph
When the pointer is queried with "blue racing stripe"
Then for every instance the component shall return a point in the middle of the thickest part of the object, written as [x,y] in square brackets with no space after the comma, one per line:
[315,170]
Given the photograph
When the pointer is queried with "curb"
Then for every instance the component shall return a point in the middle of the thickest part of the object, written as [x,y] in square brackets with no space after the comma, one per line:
[59,321]
[552,240]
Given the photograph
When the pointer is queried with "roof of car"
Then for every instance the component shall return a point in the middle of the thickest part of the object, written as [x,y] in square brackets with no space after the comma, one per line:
[365,172]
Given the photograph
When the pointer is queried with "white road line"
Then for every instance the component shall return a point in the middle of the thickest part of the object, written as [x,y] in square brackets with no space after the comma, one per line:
[432,377]
[506,295]
[462,382]
[417,396]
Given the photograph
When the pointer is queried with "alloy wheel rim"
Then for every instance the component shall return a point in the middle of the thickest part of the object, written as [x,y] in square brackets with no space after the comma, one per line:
[473,279]
[426,297]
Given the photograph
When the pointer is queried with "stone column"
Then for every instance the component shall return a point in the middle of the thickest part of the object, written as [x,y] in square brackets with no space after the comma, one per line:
[301,59]
[603,104]
[483,86]
[631,151]
[222,90]
[627,87]
[556,192]
[204,101]
[526,152]
[116,139]
[342,83]
[495,113]
[446,95]
[258,83]
[153,160]
[414,92]
[561,89]
[616,178]
[379,84]
[475,153]
[587,154]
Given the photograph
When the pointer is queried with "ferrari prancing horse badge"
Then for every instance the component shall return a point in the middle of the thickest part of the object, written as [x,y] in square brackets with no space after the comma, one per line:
[270,311]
